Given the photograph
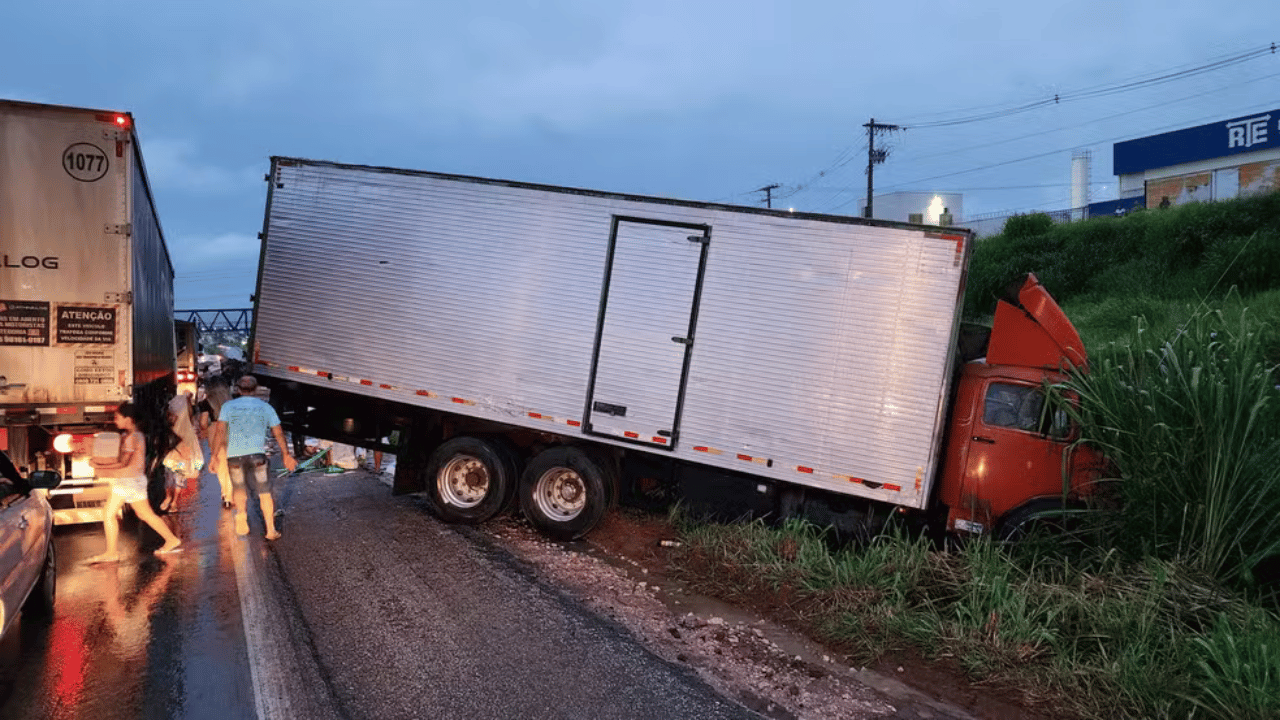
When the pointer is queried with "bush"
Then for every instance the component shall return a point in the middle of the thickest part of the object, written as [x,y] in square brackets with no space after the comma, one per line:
[1190,252]
[1022,226]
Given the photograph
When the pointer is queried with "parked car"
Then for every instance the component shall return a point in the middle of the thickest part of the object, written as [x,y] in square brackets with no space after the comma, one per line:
[28,566]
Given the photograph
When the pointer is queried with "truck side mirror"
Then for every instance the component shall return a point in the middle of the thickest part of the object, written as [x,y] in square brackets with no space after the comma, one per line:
[44,479]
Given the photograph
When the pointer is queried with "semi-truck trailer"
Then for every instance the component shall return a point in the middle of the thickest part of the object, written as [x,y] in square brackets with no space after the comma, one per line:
[86,292]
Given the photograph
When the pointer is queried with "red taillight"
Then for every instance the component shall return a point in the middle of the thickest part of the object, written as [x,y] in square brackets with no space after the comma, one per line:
[67,443]
[120,120]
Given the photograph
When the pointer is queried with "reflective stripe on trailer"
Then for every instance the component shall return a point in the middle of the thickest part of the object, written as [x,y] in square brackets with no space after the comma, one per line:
[631,435]
[64,410]
[553,419]
[364,382]
[852,479]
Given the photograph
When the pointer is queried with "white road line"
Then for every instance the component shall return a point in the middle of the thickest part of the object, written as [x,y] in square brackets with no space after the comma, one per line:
[260,616]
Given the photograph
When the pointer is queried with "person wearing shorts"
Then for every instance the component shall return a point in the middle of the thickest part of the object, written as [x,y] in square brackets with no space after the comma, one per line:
[246,470]
[129,487]
[241,434]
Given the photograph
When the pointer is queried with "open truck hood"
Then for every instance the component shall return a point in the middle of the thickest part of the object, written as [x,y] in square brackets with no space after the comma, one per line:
[1030,330]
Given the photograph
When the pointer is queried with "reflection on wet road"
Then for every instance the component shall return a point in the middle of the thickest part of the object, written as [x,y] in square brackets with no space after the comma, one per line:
[144,637]
[366,607]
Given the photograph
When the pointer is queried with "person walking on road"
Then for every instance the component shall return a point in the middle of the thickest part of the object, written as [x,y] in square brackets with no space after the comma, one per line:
[183,458]
[216,395]
[129,485]
[241,433]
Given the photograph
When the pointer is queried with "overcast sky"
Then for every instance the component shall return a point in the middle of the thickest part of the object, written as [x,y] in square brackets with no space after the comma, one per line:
[692,99]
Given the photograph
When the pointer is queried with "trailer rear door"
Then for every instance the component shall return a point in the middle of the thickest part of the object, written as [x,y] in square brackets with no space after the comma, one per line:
[64,230]
[646,330]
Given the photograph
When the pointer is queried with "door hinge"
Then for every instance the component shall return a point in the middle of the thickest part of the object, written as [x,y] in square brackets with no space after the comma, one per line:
[123,298]
[682,341]
[699,239]
[125,229]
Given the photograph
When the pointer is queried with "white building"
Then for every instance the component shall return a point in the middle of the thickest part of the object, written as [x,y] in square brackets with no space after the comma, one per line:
[923,208]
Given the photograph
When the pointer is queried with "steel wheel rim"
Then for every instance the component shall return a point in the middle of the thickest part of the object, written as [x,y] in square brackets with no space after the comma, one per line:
[463,481]
[560,494]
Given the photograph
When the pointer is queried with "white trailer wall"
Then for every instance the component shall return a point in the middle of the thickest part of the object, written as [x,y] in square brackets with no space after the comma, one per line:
[820,350]
[64,200]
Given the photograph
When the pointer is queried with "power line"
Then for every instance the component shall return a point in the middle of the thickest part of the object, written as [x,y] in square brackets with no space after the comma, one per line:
[955,111]
[1100,91]
[849,188]
[893,186]
[1196,96]
[846,155]
[1039,155]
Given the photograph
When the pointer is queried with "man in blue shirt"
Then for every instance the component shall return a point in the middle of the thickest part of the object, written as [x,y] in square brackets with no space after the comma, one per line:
[242,431]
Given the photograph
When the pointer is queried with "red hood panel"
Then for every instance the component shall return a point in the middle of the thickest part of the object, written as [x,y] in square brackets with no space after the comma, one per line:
[1035,332]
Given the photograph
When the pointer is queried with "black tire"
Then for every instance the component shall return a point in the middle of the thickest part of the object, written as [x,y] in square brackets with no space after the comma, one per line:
[470,479]
[565,492]
[40,601]
[1045,516]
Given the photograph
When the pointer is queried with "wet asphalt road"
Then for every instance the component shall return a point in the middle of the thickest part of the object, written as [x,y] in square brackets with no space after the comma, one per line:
[365,608]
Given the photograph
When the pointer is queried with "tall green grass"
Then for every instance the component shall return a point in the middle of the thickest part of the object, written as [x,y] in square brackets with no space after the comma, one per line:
[1191,417]
[1093,637]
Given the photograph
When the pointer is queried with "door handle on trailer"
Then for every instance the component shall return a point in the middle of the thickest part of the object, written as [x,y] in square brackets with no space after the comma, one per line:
[989,441]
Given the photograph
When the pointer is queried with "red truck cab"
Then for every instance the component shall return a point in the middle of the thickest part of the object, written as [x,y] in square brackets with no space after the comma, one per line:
[1007,462]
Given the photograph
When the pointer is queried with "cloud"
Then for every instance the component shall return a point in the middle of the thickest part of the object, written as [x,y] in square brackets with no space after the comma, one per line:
[248,76]
[215,255]
[572,65]
[216,271]
[175,164]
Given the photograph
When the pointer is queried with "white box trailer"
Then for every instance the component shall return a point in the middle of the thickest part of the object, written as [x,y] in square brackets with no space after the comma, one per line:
[795,348]
[86,288]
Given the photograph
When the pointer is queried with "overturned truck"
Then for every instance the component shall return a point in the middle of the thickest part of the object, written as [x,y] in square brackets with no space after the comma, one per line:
[560,347]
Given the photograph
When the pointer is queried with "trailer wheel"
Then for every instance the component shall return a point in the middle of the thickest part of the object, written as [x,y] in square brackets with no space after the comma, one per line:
[470,479]
[564,492]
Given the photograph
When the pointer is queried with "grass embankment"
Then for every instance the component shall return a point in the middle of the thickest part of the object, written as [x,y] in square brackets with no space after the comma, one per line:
[1167,610]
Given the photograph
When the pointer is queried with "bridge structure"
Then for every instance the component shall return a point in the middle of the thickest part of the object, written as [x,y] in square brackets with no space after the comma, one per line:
[225,320]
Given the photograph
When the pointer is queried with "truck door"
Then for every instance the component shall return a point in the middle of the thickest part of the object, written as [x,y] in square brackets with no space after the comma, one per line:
[645,335]
[1015,452]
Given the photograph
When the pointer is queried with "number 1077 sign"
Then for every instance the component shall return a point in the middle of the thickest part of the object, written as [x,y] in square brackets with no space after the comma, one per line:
[85,162]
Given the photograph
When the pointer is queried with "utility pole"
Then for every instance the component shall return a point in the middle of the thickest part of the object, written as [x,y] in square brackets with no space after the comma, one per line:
[874,156]
[768,193]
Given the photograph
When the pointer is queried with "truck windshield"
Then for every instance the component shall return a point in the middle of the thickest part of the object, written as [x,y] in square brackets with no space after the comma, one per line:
[1021,407]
